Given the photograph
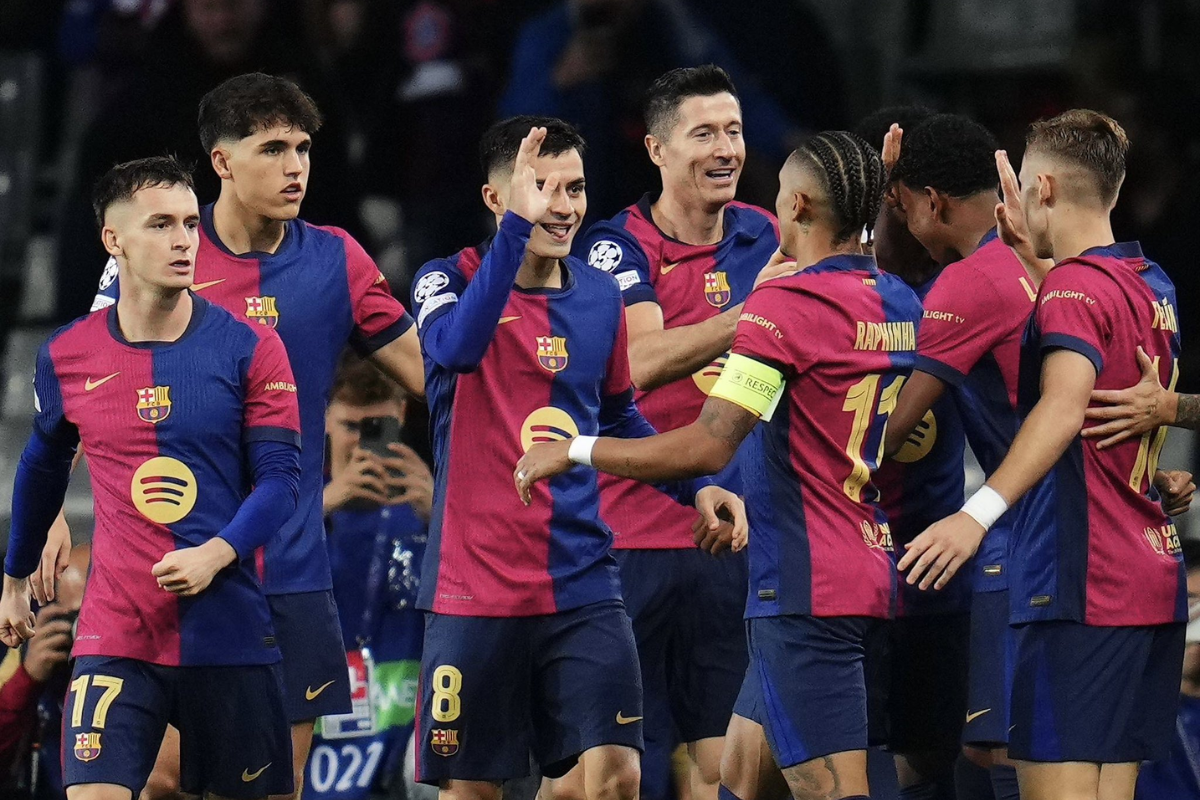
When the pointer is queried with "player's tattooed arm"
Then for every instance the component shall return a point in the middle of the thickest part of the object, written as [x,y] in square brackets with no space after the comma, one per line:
[1142,407]
[917,396]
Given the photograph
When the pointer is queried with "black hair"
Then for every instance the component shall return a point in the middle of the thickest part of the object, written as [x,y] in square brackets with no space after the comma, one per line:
[500,143]
[874,126]
[668,92]
[123,181]
[949,153]
[253,102]
[852,173]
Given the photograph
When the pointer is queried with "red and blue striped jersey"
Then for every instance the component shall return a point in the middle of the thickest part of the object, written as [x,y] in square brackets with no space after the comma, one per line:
[165,427]
[544,368]
[320,292]
[922,483]
[692,283]
[843,335]
[1093,544]
[970,338]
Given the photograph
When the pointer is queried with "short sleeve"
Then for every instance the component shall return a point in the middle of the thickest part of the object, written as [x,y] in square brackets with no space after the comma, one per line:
[1071,313]
[50,418]
[436,288]
[958,325]
[110,288]
[612,249]
[379,318]
[272,410]
[617,380]
[776,329]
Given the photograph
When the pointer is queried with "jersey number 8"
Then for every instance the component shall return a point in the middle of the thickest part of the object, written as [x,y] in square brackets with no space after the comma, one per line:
[447,683]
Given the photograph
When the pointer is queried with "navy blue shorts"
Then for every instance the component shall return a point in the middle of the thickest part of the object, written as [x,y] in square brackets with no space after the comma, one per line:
[495,689]
[316,680]
[927,682]
[1089,693]
[687,607]
[991,672]
[805,685]
[234,739]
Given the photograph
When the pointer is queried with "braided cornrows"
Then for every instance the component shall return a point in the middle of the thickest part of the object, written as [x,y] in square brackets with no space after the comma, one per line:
[853,175]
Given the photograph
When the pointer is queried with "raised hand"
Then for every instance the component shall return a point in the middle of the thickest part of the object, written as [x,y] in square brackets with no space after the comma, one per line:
[891,147]
[1011,224]
[525,199]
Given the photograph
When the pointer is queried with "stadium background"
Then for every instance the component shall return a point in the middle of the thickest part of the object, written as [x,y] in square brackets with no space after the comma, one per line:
[407,86]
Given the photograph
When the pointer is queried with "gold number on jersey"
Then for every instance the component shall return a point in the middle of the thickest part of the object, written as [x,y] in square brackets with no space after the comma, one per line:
[447,683]
[1146,463]
[111,686]
[861,400]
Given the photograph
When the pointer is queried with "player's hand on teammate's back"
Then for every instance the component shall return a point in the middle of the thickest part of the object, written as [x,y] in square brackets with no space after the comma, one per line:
[541,461]
[55,557]
[1129,412]
[189,571]
[50,646]
[16,616]
[1177,488]
[779,266]
[525,199]
[410,479]
[722,521]
[941,550]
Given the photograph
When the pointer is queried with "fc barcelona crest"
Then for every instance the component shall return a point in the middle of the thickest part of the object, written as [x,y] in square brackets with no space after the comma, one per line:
[716,289]
[154,404]
[552,352]
[87,746]
[262,310]
[444,741]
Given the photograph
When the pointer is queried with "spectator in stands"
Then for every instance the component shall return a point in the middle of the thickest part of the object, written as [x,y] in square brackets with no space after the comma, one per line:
[377,509]
[31,699]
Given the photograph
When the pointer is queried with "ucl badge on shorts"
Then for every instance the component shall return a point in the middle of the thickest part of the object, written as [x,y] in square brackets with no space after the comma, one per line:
[552,352]
[262,310]
[87,746]
[154,404]
[716,289]
[444,742]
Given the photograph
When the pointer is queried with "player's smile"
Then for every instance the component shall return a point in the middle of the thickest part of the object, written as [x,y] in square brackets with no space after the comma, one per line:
[560,233]
[722,177]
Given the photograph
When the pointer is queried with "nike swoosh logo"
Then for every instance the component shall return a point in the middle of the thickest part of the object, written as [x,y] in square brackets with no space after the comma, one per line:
[198,286]
[311,694]
[624,720]
[90,384]
[504,320]
[248,776]
[977,714]
[668,266]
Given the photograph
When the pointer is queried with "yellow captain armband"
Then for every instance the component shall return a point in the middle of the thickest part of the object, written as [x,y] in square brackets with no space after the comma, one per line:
[750,384]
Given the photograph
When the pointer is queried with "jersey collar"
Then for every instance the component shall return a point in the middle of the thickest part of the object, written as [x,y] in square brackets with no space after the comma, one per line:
[1125,251]
[843,263]
[199,309]
[290,231]
[736,223]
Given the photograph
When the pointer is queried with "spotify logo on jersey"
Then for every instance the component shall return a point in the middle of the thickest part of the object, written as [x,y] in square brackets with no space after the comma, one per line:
[547,424]
[164,490]
[706,378]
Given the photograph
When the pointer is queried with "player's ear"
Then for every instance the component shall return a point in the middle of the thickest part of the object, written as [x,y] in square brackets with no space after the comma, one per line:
[220,163]
[493,200]
[804,208]
[109,238]
[654,147]
[938,205]
[1046,189]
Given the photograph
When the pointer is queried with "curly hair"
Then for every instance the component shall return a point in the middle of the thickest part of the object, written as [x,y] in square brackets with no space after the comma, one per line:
[949,153]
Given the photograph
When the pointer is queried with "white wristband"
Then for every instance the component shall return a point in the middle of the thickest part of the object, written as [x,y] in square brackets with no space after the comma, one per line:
[985,506]
[580,451]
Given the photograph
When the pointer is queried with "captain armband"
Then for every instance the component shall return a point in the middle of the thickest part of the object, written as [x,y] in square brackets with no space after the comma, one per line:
[750,384]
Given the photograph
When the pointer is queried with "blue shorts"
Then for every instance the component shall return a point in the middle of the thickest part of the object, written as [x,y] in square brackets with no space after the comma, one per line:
[686,607]
[316,680]
[927,682]
[991,672]
[495,689]
[805,685]
[1089,693]
[234,739]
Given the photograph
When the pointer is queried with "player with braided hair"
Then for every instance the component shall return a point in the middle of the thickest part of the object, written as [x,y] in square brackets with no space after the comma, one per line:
[821,572]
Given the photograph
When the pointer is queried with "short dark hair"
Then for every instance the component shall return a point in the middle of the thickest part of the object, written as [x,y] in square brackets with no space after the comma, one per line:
[1091,140]
[852,174]
[950,153]
[668,92]
[123,181]
[360,383]
[249,103]
[500,143]
[874,126]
